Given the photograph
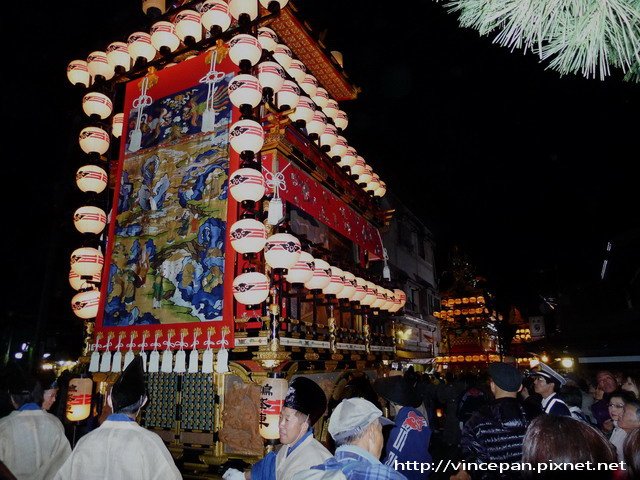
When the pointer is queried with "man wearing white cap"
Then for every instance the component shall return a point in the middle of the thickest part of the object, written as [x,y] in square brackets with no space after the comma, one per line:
[547,383]
[356,426]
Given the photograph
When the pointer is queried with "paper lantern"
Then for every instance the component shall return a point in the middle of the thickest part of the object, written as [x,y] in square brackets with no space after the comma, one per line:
[140,46]
[349,283]
[370,295]
[309,85]
[317,124]
[91,178]
[90,219]
[188,26]
[389,303]
[244,47]
[272,395]
[82,283]
[381,190]
[154,7]
[245,90]
[302,271]
[349,158]
[271,75]
[248,235]
[402,296]
[366,176]
[381,297]
[336,282]
[251,288]
[85,304]
[297,70]
[283,55]
[321,275]
[79,399]
[99,66]
[215,15]
[359,166]
[247,184]
[321,97]
[246,135]
[282,250]
[243,7]
[117,125]
[86,261]
[94,140]
[94,103]
[78,73]
[339,148]
[163,36]
[329,137]
[374,183]
[331,109]
[267,38]
[304,110]
[361,290]
[288,95]
[397,302]
[118,56]
[341,120]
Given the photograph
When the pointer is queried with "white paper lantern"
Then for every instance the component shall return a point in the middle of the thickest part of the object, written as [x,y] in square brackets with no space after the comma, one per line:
[95,103]
[85,304]
[349,158]
[78,73]
[370,295]
[282,250]
[90,219]
[321,97]
[336,282]
[397,302]
[361,290]
[403,297]
[118,56]
[339,148]
[82,283]
[91,178]
[248,235]
[272,396]
[366,176]
[251,288]
[381,190]
[240,7]
[329,137]
[188,26]
[283,55]
[321,275]
[246,135]
[271,75]
[215,14]
[245,90]
[309,85]
[341,120]
[373,184]
[267,38]
[117,124]
[288,95]
[388,305]
[359,166]
[163,35]
[302,271]
[381,297]
[244,47]
[98,65]
[297,70]
[86,261]
[94,140]
[331,109]
[154,7]
[304,110]
[317,124]
[247,184]
[140,46]
[349,283]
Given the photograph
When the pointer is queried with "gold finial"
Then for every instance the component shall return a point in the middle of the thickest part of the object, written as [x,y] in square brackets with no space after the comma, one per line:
[184,332]
[211,330]
[197,332]
[219,51]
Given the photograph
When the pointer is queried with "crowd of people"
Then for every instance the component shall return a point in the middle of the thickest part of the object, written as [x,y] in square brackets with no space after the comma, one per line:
[401,426]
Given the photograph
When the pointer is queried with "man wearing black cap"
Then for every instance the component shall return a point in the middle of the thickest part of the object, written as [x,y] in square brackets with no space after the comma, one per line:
[32,442]
[120,448]
[409,439]
[494,433]
[547,383]
[303,406]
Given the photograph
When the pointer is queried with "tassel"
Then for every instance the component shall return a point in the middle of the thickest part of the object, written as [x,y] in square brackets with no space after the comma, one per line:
[94,364]
[105,361]
[181,357]
[167,356]
[116,365]
[207,361]
[222,360]
[128,358]
[275,212]
[154,362]
[143,354]
[193,356]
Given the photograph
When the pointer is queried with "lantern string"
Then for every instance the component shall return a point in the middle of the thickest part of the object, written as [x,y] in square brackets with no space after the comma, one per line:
[275,180]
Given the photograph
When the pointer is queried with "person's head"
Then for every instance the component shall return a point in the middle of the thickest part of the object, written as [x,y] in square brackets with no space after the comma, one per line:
[128,394]
[303,406]
[563,440]
[397,391]
[606,381]
[49,383]
[631,384]
[630,419]
[617,401]
[547,381]
[631,452]
[572,395]
[504,380]
[356,421]
[22,388]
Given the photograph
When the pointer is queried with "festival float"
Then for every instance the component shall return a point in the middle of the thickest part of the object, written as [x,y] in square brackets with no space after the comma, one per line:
[229,225]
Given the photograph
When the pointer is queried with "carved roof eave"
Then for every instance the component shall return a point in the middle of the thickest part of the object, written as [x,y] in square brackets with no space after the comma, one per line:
[313,54]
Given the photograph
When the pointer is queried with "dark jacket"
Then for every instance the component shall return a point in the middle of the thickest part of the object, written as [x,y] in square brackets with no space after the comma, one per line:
[494,434]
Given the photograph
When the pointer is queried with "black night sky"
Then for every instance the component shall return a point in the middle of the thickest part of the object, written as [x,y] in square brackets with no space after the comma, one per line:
[529,173]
